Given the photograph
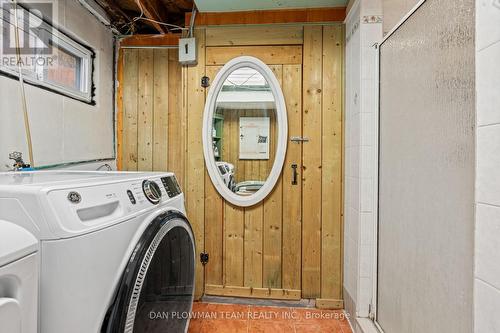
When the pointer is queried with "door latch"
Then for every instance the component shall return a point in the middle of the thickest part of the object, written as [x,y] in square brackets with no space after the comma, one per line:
[204,258]
[299,139]
[294,172]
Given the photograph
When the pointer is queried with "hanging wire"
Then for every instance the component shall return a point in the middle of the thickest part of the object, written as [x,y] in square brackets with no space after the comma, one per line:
[173,27]
[191,23]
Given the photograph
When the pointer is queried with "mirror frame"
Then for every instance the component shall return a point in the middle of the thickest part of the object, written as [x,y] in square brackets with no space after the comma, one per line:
[281,121]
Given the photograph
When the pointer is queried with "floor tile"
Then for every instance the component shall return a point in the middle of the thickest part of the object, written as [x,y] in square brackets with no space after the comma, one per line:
[270,327]
[316,328]
[237,318]
[195,326]
[225,326]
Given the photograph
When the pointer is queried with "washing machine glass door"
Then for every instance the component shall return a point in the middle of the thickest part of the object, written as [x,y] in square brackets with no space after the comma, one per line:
[156,291]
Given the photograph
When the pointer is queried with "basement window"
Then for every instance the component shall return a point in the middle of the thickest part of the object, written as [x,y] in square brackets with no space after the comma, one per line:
[48,58]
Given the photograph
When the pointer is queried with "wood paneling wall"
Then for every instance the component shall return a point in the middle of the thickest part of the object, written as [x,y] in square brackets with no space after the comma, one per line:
[154,125]
[290,246]
[322,164]
[267,17]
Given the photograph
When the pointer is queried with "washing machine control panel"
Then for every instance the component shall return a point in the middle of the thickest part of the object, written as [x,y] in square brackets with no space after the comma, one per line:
[80,207]
[171,186]
[153,191]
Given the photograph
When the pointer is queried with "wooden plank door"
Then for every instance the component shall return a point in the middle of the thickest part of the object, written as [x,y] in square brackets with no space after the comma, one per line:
[289,246]
[256,251]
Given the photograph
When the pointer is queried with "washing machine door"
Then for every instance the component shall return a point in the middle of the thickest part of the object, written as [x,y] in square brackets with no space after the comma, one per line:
[156,290]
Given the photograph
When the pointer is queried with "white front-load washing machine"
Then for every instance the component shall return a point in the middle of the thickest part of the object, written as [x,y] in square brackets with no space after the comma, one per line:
[18,279]
[117,252]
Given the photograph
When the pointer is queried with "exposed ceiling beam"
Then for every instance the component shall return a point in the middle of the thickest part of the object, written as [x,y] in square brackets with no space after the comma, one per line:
[117,15]
[155,12]
[182,5]
[150,40]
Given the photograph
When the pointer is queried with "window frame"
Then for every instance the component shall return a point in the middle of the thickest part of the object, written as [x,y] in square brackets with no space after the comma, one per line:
[59,39]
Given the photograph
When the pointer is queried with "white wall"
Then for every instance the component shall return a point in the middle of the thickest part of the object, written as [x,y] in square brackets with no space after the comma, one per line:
[394,11]
[352,123]
[487,243]
[63,130]
[363,30]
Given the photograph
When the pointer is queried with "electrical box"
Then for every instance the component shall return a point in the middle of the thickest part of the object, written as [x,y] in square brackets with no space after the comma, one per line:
[188,51]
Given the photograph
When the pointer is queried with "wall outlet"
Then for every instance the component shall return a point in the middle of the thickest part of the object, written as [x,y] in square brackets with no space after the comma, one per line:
[188,51]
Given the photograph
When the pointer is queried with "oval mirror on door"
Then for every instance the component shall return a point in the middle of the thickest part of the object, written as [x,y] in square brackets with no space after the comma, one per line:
[245,131]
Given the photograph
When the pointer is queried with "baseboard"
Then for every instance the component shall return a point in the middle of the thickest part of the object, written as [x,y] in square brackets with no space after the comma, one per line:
[365,325]
[349,305]
[358,324]
[284,294]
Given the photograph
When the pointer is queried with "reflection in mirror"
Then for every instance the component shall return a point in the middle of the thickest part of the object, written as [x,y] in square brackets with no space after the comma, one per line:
[244,131]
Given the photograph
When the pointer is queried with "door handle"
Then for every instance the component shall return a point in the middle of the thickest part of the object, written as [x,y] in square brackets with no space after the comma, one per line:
[299,139]
[294,173]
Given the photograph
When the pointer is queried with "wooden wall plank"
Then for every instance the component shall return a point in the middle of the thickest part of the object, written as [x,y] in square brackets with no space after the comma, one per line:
[311,202]
[246,35]
[331,187]
[253,246]
[292,194]
[130,99]
[213,233]
[160,109]
[233,245]
[230,149]
[177,131]
[273,206]
[214,221]
[195,167]
[271,55]
[273,219]
[119,111]
[145,111]
[299,15]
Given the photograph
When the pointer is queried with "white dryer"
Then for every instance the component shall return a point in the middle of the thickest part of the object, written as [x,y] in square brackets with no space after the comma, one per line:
[18,279]
[117,251]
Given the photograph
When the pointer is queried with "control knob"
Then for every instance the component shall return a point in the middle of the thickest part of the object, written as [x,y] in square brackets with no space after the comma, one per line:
[152,191]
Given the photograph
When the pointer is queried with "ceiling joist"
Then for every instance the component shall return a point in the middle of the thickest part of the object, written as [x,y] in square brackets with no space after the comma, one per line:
[118,16]
[154,13]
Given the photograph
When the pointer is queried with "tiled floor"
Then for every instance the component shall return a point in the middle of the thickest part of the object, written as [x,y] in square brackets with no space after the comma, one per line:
[232,318]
